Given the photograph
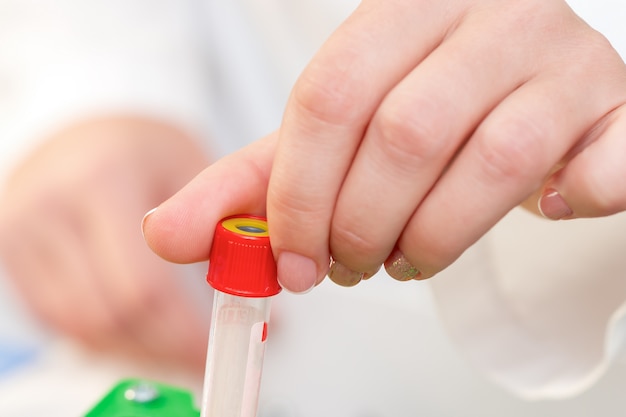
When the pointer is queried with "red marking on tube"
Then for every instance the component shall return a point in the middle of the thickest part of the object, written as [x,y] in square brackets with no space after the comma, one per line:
[264,337]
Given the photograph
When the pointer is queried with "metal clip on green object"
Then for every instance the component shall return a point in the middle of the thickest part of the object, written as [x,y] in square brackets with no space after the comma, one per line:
[139,398]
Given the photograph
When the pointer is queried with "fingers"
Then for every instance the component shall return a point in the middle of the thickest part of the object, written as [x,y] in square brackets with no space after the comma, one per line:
[545,112]
[328,111]
[52,272]
[592,183]
[181,229]
[84,271]
[71,240]
[505,161]
[411,138]
[140,289]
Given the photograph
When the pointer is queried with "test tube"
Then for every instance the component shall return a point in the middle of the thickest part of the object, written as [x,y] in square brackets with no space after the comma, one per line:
[243,273]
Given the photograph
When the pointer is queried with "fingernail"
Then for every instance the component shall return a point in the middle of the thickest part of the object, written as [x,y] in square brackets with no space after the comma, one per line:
[552,206]
[368,275]
[296,273]
[344,276]
[143,220]
[398,267]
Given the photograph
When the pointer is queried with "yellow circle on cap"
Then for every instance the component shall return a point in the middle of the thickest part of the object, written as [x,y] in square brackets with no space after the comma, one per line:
[239,224]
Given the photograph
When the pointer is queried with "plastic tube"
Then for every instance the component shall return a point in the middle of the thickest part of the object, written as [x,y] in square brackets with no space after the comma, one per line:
[243,272]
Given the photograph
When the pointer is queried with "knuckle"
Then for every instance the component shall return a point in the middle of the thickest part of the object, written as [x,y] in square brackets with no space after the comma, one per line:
[511,149]
[408,134]
[329,95]
[296,210]
[591,49]
[290,218]
[296,198]
[354,241]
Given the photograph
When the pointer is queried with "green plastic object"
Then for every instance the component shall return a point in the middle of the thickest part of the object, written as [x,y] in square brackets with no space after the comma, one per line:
[141,398]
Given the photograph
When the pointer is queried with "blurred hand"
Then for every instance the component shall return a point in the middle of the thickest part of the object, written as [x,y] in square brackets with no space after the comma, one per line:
[416,127]
[70,237]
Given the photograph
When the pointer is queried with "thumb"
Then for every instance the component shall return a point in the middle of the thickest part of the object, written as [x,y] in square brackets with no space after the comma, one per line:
[593,183]
[181,228]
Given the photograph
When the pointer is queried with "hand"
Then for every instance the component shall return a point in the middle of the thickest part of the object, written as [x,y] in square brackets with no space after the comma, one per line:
[417,126]
[420,124]
[70,238]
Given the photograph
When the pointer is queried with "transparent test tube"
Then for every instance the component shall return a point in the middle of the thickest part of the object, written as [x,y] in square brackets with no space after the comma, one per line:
[243,273]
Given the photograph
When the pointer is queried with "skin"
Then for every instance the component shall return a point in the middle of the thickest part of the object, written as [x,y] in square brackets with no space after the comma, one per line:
[451,113]
[70,238]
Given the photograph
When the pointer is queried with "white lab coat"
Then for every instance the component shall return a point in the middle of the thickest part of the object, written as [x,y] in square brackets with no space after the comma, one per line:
[534,305]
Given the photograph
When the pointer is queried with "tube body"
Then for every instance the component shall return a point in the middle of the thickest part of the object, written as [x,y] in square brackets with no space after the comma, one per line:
[235,355]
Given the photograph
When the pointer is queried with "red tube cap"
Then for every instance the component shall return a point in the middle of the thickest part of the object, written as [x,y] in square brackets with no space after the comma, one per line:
[241,260]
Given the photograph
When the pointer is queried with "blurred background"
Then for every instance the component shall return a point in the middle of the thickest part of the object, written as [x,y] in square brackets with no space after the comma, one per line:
[108,107]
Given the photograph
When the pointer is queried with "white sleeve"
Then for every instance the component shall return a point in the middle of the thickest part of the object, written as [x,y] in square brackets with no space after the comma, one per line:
[69,59]
[539,306]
